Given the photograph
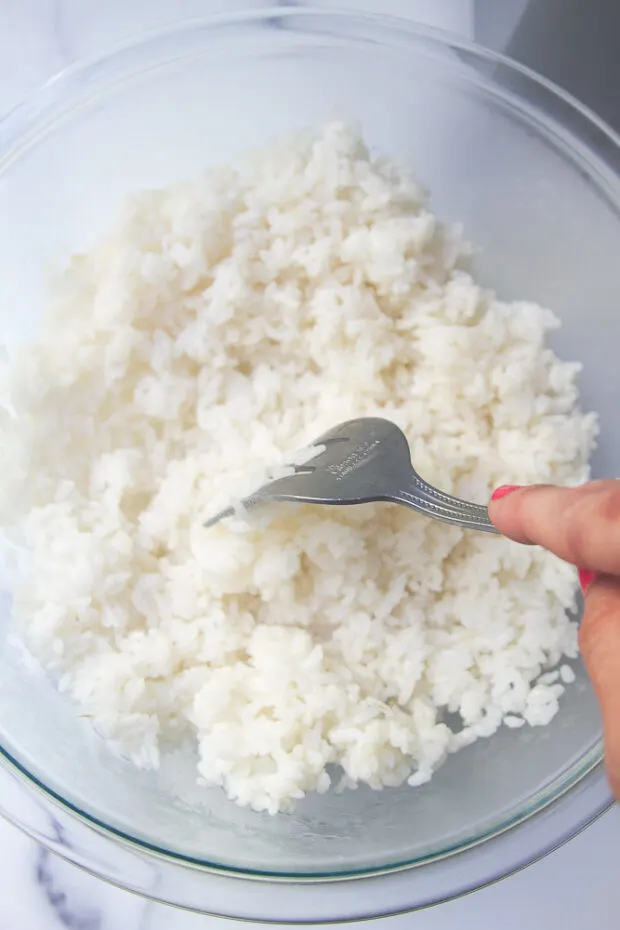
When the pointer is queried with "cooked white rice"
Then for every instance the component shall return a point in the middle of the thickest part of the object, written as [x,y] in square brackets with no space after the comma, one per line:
[221,325]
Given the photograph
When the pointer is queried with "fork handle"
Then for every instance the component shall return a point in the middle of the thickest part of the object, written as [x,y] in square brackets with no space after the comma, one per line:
[448,499]
[445,507]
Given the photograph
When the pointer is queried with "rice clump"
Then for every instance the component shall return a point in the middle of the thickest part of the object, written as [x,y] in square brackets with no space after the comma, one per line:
[221,325]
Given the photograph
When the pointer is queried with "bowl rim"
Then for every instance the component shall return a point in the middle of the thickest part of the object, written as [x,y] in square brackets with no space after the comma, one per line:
[30,120]
[171,882]
[24,115]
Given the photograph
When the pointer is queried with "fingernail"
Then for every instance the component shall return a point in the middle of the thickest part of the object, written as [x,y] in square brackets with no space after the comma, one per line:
[586,577]
[503,490]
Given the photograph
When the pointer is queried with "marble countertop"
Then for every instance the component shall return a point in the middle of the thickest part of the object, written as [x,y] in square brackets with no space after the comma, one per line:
[39,891]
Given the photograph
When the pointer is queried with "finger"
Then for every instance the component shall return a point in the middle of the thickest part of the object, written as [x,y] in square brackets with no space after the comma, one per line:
[599,639]
[580,525]
[586,577]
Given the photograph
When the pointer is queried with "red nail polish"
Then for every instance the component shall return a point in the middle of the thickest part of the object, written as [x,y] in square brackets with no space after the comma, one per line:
[503,490]
[586,577]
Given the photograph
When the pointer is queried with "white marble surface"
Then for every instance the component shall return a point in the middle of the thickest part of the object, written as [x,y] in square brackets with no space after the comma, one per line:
[575,887]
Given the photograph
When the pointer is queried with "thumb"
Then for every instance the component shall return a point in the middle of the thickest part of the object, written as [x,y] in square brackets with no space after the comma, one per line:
[580,525]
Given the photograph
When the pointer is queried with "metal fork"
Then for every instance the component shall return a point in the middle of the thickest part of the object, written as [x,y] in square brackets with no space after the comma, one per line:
[362,461]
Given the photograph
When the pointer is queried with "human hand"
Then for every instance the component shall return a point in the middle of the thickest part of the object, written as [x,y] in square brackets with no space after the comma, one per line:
[582,526]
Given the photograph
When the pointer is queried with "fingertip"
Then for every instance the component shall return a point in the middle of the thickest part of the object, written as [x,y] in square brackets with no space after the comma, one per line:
[508,518]
[503,490]
[586,577]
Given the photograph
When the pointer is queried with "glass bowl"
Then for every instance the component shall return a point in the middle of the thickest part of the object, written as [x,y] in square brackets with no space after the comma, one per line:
[533,177]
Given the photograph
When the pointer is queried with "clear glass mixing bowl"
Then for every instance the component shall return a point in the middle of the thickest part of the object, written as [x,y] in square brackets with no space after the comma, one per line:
[532,176]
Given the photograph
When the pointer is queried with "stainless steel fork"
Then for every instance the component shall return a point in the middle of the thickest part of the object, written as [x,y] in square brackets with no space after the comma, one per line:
[362,461]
